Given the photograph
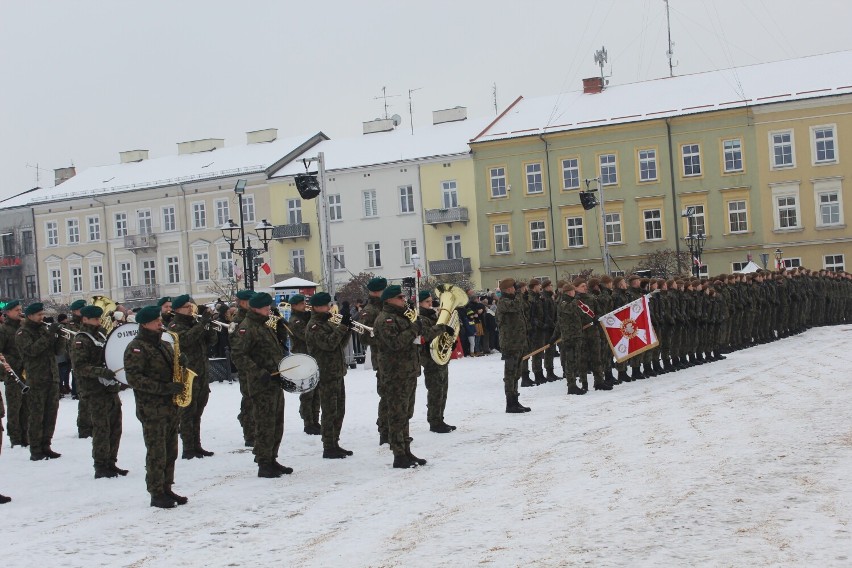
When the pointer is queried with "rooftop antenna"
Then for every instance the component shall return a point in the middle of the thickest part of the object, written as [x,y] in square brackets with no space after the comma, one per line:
[410,111]
[670,51]
[494,96]
[37,170]
[601,59]
[385,97]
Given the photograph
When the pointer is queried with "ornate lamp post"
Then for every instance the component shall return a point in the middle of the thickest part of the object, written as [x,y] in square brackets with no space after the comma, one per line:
[779,259]
[233,233]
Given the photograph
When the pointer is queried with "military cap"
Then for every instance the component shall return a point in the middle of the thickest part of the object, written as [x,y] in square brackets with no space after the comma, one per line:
[594,283]
[180,301]
[391,292]
[296,299]
[617,280]
[546,282]
[163,300]
[606,279]
[560,284]
[520,284]
[377,284]
[321,299]
[424,294]
[260,300]
[507,283]
[33,308]
[633,277]
[567,287]
[148,314]
[534,282]
[579,282]
[77,304]
[12,304]
[91,312]
[245,294]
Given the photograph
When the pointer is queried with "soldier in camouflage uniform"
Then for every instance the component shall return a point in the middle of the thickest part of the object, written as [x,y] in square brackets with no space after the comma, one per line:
[165,305]
[309,402]
[368,316]
[149,367]
[589,348]
[196,338]
[325,343]
[569,331]
[37,344]
[512,325]
[436,376]
[17,418]
[246,414]
[258,353]
[84,415]
[548,305]
[523,295]
[98,387]
[537,335]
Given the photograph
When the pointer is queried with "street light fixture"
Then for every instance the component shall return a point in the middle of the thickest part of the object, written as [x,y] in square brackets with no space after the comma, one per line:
[779,256]
[232,233]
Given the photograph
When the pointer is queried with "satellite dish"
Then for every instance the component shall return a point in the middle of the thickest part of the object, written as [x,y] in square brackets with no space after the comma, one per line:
[396,119]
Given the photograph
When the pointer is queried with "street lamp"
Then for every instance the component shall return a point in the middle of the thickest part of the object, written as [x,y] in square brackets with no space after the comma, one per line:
[779,256]
[232,233]
[695,243]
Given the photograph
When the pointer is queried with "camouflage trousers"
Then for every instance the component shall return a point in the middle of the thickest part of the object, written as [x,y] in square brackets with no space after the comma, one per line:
[568,358]
[589,355]
[382,418]
[17,414]
[332,397]
[190,416]
[400,393]
[160,432]
[537,341]
[43,406]
[512,367]
[309,407]
[106,428]
[268,406]
[436,378]
[84,418]
[246,414]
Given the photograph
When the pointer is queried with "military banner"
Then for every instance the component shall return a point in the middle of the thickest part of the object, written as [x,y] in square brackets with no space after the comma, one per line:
[629,329]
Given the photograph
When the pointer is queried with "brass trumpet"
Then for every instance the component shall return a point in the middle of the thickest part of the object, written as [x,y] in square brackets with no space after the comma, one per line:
[355,326]
[63,331]
[219,325]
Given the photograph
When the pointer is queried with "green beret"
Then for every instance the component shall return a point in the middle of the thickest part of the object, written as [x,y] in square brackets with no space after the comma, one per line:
[423,295]
[320,299]
[163,300]
[296,299]
[91,312]
[391,292]
[148,314]
[77,304]
[377,284]
[245,294]
[33,308]
[12,304]
[180,301]
[260,300]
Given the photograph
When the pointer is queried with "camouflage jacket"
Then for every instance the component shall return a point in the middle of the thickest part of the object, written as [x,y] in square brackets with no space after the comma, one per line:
[37,347]
[548,305]
[569,318]
[148,364]
[429,319]
[88,361]
[9,349]
[368,317]
[586,318]
[325,343]
[536,312]
[298,324]
[257,352]
[195,342]
[512,325]
[399,356]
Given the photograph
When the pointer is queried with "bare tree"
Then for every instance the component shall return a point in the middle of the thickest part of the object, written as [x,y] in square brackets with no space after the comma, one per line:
[355,289]
[461,279]
[662,263]
[223,286]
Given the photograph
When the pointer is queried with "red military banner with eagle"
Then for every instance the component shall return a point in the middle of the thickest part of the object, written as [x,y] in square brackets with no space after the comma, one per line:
[629,329]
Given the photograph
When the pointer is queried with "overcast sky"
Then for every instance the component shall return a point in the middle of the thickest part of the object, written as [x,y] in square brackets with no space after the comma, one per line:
[84,80]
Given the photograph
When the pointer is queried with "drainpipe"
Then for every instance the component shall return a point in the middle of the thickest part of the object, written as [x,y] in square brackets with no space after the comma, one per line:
[189,260]
[550,197]
[109,261]
[675,211]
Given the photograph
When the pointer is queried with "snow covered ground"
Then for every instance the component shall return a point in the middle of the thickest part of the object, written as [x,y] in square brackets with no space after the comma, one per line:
[744,462]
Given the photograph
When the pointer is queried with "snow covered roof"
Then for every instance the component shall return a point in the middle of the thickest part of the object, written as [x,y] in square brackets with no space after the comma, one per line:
[749,268]
[399,145]
[294,282]
[789,80]
[170,170]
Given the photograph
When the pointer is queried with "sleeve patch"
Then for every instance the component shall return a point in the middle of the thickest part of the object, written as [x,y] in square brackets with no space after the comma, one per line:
[137,350]
[242,331]
[314,326]
[389,320]
[78,342]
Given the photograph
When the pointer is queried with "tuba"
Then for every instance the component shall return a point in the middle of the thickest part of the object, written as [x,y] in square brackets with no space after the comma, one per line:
[182,375]
[450,298]
[109,307]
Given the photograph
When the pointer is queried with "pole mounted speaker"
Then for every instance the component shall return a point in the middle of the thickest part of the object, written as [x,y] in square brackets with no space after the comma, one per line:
[588,200]
[307,185]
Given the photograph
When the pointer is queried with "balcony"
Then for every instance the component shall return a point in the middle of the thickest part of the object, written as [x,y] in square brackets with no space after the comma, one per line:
[294,231]
[452,266]
[140,242]
[143,292]
[10,261]
[449,216]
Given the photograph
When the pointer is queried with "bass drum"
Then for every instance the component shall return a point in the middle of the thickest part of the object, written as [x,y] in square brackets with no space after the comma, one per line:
[116,343]
[299,373]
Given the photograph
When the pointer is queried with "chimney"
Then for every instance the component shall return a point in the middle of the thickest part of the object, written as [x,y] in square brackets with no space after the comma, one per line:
[378,125]
[130,156]
[260,136]
[61,175]
[449,115]
[593,85]
[196,146]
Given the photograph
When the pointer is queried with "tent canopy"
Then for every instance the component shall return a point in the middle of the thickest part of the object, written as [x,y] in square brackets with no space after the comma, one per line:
[749,268]
[294,283]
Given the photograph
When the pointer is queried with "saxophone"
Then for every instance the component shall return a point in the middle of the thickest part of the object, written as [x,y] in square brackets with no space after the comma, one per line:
[450,297]
[182,375]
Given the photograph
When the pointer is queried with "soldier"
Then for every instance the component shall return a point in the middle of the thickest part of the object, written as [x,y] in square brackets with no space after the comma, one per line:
[523,296]
[165,305]
[435,375]
[589,348]
[548,305]
[368,316]
[309,402]
[512,325]
[196,338]
[570,329]
[37,344]
[633,293]
[325,343]
[84,416]
[257,354]
[246,414]
[18,416]
[98,387]
[149,366]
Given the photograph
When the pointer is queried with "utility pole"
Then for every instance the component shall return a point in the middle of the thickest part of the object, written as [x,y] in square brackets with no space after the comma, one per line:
[603,221]
[410,110]
[670,51]
[385,97]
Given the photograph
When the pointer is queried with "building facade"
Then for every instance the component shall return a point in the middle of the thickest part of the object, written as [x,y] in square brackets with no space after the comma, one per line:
[18,265]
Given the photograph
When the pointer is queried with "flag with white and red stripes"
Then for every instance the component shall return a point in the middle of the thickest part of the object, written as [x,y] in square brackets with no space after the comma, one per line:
[629,329]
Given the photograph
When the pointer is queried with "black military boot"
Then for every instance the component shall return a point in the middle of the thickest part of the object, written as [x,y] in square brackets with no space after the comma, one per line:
[344,450]
[636,373]
[50,454]
[163,501]
[4,499]
[648,370]
[179,499]
[282,468]
[551,376]
[613,377]
[313,429]
[526,382]
[249,443]
[624,377]
[383,438]
[202,453]
[440,428]
[118,470]
[521,406]
[573,388]
[412,457]
[658,367]
[187,454]
[539,378]
[37,456]
[104,471]
[584,384]
[332,454]
[403,462]
[268,470]
[512,406]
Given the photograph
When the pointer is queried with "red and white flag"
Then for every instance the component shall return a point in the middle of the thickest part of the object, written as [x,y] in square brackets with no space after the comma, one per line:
[629,329]
[266,268]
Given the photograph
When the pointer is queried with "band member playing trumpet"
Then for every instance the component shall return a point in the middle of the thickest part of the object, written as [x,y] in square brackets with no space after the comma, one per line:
[246,414]
[367,317]
[257,353]
[309,402]
[37,343]
[435,376]
[98,387]
[150,367]
[17,417]
[325,344]
[195,338]
[165,304]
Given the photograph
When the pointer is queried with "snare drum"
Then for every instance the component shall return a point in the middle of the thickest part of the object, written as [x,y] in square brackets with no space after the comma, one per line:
[299,373]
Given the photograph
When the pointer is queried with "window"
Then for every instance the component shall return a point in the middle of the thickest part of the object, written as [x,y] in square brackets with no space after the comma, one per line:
[703,271]
[782,149]
[173,269]
[501,238]
[55,277]
[199,216]
[792,262]
[202,266]
[452,245]
[829,208]
[737,216]
[409,248]
[94,225]
[145,222]
[370,205]
[7,244]
[834,262]
[226,264]
[124,274]
[406,199]
[97,276]
[335,209]
[120,224]
[297,259]
[733,151]
[450,197]
[575,231]
[653,224]
[27,241]
[823,144]
[337,258]
[31,286]
[76,279]
[374,255]
[223,211]
[248,208]
[613,228]
[169,221]
[538,235]
[738,266]
[647,165]
[697,224]
[294,211]
[691,160]
[498,182]
[73,231]
[609,175]
[787,216]
[149,272]
[52,229]
[571,173]
[534,181]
